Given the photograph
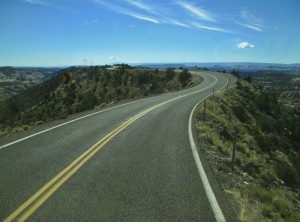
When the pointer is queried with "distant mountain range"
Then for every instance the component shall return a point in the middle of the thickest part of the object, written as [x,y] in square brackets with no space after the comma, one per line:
[14,80]
[216,64]
[56,98]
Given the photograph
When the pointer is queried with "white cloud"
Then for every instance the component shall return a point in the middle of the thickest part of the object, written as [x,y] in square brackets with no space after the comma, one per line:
[42,3]
[139,4]
[38,2]
[176,22]
[245,45]
[212,28]
[199,12]
[167,13]
[253,27]
[143,17]
[251,17]
[112,57]
[125,11]
[250,21]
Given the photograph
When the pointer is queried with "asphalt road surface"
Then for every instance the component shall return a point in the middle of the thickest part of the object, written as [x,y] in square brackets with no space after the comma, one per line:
[131,162]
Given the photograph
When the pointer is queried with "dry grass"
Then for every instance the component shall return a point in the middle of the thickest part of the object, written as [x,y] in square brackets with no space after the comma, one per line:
[257,155]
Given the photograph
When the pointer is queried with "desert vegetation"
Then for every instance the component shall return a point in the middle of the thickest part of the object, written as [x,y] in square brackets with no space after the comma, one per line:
[14,80]
[265,183]
[86,88]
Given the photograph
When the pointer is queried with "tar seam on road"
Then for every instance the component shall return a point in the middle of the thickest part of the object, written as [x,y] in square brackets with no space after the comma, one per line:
[35,201]
[208,190]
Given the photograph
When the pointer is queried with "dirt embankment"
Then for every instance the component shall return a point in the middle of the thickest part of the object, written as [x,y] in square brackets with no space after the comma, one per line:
[265,182]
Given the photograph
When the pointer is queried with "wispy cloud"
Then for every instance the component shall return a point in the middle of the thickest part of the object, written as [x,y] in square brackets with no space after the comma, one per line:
[88,22]
[128,12]
[42,3]
[143,17]
[211,28]
[139,4]
[160,14]
[199,12]
[176,22]
[250,21]
[251,17]
[35,2]
[255,28]
[245,45]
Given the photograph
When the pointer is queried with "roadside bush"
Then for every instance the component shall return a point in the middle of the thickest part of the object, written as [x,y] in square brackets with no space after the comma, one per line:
[267,210]
[295,217]
[267,142]
[88,100]
[263,102]
[240,113]
[272,202]
[273,140]
[266,123]
[184,76]
[143,77]
[257,192]
[287,173]
[281,207]
[295,158]
[170,73]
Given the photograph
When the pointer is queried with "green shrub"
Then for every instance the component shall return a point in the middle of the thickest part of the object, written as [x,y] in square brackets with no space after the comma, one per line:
[267,210]
[287,173]
[262,142]
[184,76]
[295,217]
[295,158]
[240,113]
[281,207]
[170,73]
[257,192]
[267,123]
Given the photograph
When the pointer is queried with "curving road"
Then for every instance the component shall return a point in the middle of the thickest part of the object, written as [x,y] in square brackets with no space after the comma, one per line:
[131,162]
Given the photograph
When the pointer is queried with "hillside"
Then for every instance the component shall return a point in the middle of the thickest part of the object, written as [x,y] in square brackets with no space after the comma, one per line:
[286,87]
[88,88]
[265,183]
[15,80]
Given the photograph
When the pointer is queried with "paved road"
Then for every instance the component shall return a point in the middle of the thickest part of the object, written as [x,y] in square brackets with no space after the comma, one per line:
[130,163]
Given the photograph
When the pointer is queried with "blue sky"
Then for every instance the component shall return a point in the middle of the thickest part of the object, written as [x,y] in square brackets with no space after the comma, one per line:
[65,32]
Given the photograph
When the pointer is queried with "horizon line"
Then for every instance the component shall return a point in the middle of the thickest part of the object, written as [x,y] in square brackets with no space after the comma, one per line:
[145,63]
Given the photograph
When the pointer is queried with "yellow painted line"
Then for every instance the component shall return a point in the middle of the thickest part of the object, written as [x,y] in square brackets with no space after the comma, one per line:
[70,173]
[35,201]
[58,176]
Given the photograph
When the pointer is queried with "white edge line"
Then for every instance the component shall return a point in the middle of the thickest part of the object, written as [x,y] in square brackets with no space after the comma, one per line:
[71,121]
[74,120]
[208,190]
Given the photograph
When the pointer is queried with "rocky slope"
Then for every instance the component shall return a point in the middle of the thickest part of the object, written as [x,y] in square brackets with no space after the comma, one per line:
[265,182]
[15,80]
[79,89]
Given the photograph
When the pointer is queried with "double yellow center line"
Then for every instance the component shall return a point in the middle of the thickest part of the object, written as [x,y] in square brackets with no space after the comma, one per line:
[35,201]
